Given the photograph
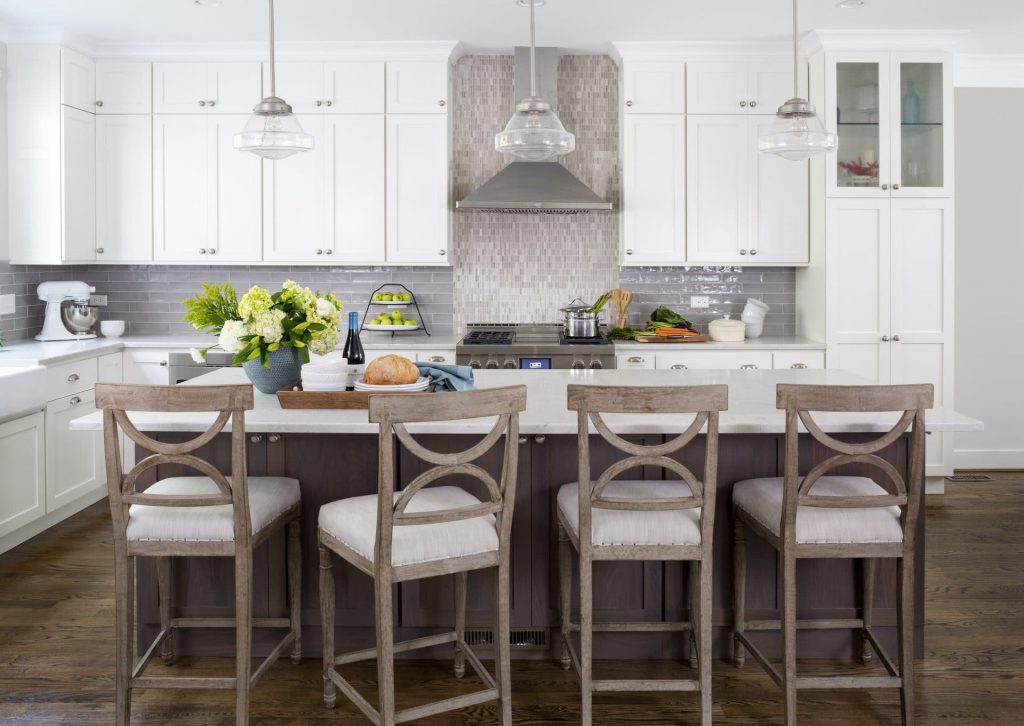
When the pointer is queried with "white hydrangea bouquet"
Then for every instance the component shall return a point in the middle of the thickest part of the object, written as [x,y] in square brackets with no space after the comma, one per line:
[261,323]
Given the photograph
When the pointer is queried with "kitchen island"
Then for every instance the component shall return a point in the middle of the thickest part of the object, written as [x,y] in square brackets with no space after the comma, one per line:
[334,455]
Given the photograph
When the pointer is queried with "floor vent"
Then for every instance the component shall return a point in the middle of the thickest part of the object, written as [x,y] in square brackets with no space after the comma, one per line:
[969,477]
[521,638]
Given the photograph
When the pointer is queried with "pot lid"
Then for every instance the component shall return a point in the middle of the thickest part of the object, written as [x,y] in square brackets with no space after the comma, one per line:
[726,322]
[574,308]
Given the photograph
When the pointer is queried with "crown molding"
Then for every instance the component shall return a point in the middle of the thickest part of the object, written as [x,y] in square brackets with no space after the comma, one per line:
[978,70]
[698,49]
[448,50]
[883,40]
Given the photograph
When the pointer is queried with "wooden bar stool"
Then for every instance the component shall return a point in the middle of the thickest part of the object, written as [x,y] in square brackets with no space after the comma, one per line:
[845,516]
[423,532]
[205,516]
[640,520]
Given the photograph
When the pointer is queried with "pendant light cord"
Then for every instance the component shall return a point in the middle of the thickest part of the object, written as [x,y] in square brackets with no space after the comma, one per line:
[273,73]
[796,65]
[533,53]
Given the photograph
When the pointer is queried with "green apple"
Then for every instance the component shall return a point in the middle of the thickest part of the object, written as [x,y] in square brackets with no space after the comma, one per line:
[396,314]
[378,297]
[387,297]
[412,323]
[406,297]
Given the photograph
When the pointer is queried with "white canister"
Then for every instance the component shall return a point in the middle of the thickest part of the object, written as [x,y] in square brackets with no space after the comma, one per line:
[725,330]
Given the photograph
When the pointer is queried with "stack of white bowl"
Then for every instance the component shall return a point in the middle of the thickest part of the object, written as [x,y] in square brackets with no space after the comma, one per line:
[753,317]
[326,374]
[421,384]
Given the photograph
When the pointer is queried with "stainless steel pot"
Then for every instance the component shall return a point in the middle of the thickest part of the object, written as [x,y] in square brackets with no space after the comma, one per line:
[579,321]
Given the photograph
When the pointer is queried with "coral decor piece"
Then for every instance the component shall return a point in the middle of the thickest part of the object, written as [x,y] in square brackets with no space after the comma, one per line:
[859,167]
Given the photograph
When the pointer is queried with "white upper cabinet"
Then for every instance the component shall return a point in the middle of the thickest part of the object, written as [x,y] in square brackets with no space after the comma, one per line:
[300,84]
[653,189]
[716,87]
[235,181]
[124,87]
[345,87]
[77,80]
[294,201]
[779,208]
[417,87]
[124,188]
[206,87]
[417,188]
[78,173]
[654,87]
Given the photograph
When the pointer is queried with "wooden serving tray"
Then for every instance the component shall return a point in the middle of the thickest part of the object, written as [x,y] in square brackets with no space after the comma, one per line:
[289,397]
[670,339]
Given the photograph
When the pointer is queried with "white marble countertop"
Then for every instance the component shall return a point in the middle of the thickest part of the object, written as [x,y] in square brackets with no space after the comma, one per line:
[767,342]
[751,406]
[34,352]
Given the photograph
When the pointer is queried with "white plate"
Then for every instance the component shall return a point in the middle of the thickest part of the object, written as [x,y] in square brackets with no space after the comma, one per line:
[324,377]
[389,328]
[322,386]
[393,389]
[420,384]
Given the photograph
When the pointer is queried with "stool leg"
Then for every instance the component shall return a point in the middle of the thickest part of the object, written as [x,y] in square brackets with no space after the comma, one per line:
[739,589]
[327,624]
[866,652]
[695,612]
[243,634]
[789,635]
[564,591]
[385,647]
[123,619]
[704,657]
[293,548]
[163,583]
[503,649]
[586,637]
[906,635]
[460,623]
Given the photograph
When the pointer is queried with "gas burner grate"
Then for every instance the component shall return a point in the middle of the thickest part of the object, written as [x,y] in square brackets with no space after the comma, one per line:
[489,337]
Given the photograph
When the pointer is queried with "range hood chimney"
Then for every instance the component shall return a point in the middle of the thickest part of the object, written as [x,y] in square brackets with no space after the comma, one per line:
[535,187]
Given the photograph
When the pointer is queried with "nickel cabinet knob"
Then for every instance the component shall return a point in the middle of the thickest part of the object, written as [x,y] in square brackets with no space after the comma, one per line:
[99,250]
[885,338]
[540,439]
[522,440]
[319,103]
[629,104]
[202,250]
[753,104]
[442,252]
[211,104]
[743,104]
[743,252]
[629,252]
[256,438]
[885,187]
[319,252]
[442,103]
[328,103]
[99,104]
[274,438]
[896,338]
[163,363]
[213,250]
[753,252]
[202,103]
[895,187]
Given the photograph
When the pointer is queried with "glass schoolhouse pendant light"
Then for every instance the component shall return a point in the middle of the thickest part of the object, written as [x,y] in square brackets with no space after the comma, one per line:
[797,133]
[534,132]
[272,131]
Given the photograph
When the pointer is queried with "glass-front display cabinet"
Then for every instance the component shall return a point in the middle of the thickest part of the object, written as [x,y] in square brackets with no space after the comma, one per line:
[893,113]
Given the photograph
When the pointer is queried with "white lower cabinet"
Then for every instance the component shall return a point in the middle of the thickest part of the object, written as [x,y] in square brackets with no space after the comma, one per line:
[147,367]
[23,484]
[798,359]
[634,361]
[714,360]
[74,459]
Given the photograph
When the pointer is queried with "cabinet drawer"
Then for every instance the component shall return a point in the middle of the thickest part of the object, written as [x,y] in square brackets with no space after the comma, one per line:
[436,356]
[799,359]
[68,378]
[146,367]
[634,361]
[715,360]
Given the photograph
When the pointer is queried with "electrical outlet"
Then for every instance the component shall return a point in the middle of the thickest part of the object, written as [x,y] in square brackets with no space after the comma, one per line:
[95,299]
[7,304]
[699,302]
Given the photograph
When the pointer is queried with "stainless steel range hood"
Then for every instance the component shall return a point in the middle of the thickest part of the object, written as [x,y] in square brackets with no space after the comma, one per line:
[535,187]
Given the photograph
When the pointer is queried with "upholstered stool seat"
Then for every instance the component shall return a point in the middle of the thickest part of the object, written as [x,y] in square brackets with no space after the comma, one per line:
[762,500]
[269,498]
[631,526]
[354,522]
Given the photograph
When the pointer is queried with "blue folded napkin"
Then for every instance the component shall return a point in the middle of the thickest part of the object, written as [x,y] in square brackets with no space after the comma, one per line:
[447,377]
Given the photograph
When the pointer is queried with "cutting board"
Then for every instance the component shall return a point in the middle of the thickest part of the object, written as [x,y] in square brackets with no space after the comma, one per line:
[670,339]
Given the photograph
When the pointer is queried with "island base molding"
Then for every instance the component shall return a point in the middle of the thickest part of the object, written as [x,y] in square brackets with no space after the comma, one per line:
[331,467]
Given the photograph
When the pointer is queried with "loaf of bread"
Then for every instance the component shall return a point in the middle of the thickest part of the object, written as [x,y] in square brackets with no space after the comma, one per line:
[391,370]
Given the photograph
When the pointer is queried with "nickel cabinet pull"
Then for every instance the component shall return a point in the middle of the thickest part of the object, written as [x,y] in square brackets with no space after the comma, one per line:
[679,367]
[634,359]
[748,367]
[72,378]
[799,366]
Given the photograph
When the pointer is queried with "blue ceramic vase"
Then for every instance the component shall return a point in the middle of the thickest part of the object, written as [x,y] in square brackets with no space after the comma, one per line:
[285,368]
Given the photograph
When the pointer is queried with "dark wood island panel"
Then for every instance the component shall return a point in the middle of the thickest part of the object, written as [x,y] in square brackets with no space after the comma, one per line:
[334,466]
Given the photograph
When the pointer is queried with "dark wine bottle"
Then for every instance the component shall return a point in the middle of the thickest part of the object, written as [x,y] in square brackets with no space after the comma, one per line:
[353,352]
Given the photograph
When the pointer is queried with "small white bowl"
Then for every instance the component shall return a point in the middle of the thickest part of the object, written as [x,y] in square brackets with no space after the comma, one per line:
[112,328]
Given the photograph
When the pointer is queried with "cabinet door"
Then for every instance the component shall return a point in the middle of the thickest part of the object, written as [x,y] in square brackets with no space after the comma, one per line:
[653,189]
[654,87]
[717,88]
[23,485]
[233,87]
[417,188]
[147,367]
[717,201]
[179,88]
[922,107]
[417,87]
[300,84]
[77,80]
[857,107]
[295,201]
[124,87]
[124,188]
[858,273]
[78,180]
[355,87]
[110,368]
[236,195]
[357,187]
[771,84]
[74,459]
[180,187]
[778,208]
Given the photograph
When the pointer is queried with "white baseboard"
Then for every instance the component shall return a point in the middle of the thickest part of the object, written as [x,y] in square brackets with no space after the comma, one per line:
[988,458]
[30,530]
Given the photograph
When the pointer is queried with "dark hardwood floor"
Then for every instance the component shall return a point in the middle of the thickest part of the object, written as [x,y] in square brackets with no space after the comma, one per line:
[56,645]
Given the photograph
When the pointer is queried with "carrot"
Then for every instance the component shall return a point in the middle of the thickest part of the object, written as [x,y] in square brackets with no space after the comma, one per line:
[685,332]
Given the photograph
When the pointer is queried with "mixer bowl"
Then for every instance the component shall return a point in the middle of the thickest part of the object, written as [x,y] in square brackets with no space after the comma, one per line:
[78,317]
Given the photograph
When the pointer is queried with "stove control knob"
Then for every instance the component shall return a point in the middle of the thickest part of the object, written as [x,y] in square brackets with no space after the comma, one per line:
[596,365]
[474,363]
[492,364]
[578,365]
[511,364]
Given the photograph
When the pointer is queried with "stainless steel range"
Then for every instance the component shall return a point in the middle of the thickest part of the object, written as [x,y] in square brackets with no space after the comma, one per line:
[531,348]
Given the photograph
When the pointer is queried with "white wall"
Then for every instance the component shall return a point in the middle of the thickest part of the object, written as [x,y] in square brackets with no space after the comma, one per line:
[989,271]
[4,256]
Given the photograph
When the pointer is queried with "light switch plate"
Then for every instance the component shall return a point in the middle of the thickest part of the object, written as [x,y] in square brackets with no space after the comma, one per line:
[699,302]
[7,304]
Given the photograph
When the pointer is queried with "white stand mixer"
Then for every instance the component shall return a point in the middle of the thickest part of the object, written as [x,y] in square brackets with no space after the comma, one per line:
[68,313]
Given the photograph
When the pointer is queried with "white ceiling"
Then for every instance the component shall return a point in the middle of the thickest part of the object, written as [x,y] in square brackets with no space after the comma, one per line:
[996,26]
